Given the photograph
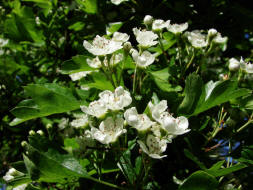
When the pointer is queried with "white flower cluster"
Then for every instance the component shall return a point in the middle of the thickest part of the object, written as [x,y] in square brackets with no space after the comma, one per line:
[235,65]
[111,127]
[200,40]
[161,127]
[11,174]
[117,2]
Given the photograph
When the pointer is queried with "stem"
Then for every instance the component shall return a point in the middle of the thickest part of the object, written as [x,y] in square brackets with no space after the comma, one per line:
[246,124]
[122,67]
[134,82]
[191,60]
[109,77]
[105,183]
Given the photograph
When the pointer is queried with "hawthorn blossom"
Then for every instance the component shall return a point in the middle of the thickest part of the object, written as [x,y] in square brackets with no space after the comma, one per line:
[247,67]
[10,174]
[174,126]
[117,100]
[160,24]
[96,108]
[20,187]
[79,75]
[139,121]
[102,46]
[197,39]
[94,63]
[109,130]
[117,2]
[234,64]
[120,37]
[154,146]
[145,38]
[158,109]
[177,28]
[219,39]
[144,59]
[115,59]
[80,121]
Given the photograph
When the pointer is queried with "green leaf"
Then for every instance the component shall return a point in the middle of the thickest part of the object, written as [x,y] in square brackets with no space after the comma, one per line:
[199,180]
[51,166]
[113,27]
[195,159]
[19,180]
[199,97]
[100,82]
[47,99]
[193,86]
[126,166]
[222,172]
[89,6]
[76,26]
[247,102]
[78,63]
[161,79]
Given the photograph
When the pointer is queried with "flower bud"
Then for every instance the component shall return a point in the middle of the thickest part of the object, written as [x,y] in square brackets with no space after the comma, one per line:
[49,125]
[31,132]
[234,64]
[212,32]
[127,46]
[23,143]
[40,132]
[148,20]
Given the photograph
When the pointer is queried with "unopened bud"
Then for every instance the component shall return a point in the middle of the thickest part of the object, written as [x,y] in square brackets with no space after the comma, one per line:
[234,64]
[127,46]
[148,20]
[49,125]
[40,132]
[212,32]
[23,143]
[31,132]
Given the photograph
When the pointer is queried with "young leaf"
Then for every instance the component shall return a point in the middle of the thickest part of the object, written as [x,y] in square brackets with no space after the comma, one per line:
[199,180]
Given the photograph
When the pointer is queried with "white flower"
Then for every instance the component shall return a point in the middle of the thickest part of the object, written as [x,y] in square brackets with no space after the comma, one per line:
[120,37]
[20,187]
[63,123]
[79,75]
[109,130]
[11,173]
[154,146]
[143,60]
[94,63]
[139,121]
[159,24]
[81,121]
[102,46]
[212,32]
[3,42]
[197,39]
[117,2]
[158,109]
[234,64]
[177,28]
[145,38]
[174,126]
[115,59]
[96,108]
[148,20]
[247,67]
[117,100]
[219,39]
